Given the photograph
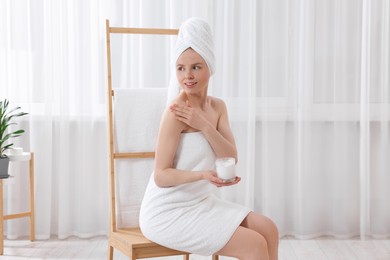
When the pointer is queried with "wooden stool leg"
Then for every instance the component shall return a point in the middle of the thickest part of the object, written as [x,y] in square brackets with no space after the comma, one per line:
[1,219]
[32,215]
[215,257]
[110,253]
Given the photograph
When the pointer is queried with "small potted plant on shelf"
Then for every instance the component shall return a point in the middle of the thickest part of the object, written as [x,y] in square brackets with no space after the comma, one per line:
[6,119]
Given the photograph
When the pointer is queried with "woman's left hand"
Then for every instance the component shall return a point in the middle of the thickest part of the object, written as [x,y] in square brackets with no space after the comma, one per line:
[221,183]
[193,117]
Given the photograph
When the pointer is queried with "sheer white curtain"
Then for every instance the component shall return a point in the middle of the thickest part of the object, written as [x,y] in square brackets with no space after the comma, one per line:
[322,134]
[53,66]
[306,83]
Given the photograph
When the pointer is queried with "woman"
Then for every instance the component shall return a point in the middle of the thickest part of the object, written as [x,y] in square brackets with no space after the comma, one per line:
[179,209]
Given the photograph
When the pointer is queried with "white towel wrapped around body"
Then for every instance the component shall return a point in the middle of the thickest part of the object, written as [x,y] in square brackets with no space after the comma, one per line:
[189,217]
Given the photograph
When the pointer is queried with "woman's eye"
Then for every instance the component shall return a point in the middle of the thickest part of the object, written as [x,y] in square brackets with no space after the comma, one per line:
[180,68]
[197,67]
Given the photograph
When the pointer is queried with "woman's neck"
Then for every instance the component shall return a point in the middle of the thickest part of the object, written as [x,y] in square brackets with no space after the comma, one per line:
[197,100]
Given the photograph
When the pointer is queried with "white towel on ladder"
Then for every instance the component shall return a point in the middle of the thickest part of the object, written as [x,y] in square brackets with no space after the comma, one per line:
[137,115]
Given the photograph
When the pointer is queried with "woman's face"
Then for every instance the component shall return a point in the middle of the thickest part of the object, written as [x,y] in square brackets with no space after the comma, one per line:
[192,72]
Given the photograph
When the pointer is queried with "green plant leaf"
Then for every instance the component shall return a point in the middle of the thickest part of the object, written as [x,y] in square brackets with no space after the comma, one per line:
[6,120]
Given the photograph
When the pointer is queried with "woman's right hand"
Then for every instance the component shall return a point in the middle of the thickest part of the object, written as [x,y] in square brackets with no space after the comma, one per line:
[212,177]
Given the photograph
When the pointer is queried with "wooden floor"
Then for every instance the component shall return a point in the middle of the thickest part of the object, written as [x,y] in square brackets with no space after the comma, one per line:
[290,249]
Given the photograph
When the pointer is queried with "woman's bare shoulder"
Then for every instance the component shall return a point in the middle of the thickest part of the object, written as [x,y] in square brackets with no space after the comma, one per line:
[217,103]
[170,122]
[179,100]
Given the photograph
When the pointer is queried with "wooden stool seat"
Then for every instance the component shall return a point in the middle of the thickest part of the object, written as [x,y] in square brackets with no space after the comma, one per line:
[132,242]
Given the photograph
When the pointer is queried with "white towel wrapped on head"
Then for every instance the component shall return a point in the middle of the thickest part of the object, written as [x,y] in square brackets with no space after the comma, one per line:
[196,34]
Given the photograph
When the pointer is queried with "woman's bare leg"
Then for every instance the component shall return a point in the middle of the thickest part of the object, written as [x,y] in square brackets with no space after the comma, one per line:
[265,227]
[246,244]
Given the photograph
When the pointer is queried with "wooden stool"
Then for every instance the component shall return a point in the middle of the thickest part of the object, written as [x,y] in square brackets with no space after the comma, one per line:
[17,158]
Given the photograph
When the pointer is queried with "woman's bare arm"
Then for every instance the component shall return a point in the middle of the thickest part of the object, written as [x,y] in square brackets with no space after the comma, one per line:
[167,143]
[219,136]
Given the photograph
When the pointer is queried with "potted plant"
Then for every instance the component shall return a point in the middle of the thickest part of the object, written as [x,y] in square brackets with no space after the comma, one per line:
[6,116]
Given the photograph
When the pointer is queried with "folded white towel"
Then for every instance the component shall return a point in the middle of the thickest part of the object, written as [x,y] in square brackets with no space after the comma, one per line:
[137,114]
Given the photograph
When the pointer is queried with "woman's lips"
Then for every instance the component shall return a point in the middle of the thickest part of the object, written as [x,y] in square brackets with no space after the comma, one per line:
[190,84]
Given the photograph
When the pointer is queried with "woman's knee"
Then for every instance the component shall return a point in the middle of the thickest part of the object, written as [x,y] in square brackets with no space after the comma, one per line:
[263,225]
[259,245]
[273,230]
[255,247]
[246,244]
